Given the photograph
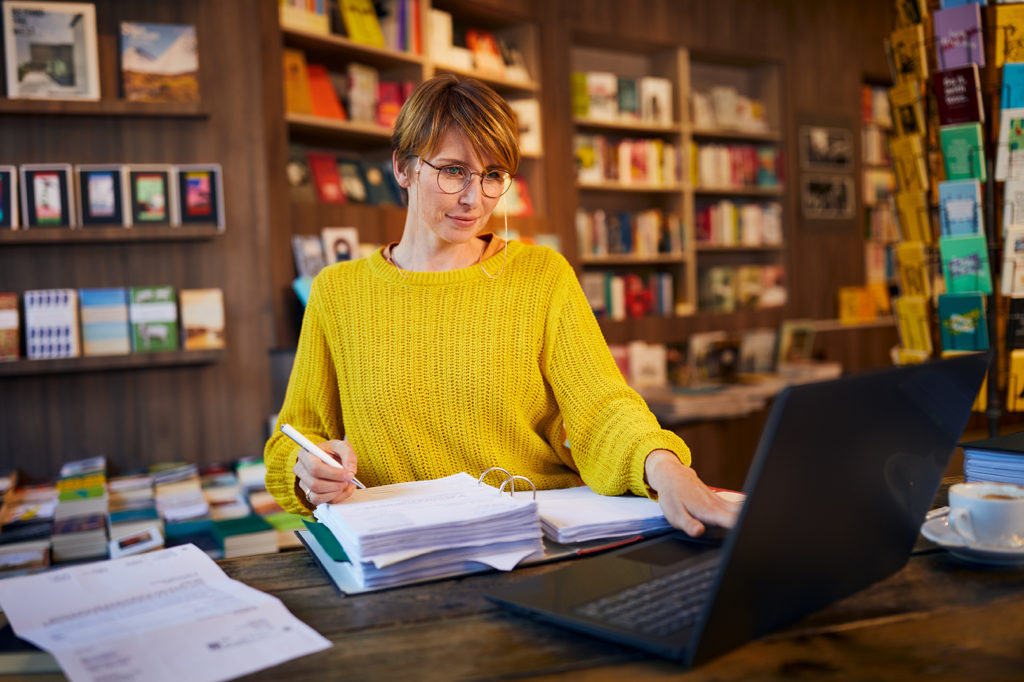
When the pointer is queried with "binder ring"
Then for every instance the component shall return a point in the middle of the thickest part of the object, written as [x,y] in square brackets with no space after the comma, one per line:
[513,479]
[480,481]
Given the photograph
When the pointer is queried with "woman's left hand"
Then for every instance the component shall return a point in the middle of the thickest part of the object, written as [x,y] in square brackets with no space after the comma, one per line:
[685,500]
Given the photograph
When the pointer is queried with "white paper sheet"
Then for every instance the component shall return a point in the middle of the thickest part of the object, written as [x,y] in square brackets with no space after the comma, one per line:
[167,615]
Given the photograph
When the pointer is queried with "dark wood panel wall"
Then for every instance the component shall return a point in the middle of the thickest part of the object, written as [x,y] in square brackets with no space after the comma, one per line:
[135,417]
[216,412]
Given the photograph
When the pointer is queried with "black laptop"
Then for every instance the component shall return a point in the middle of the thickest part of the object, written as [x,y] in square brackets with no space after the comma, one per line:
[843,476]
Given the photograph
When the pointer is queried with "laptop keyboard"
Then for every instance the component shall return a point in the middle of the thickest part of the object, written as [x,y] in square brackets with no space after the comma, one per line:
[660,606]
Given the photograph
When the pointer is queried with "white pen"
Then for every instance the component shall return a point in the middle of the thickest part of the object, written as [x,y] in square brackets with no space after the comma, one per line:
[313,449]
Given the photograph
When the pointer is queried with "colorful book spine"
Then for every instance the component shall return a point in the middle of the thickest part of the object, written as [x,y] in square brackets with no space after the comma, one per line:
[10,327]
[105,321]
[153,312]
[51,323]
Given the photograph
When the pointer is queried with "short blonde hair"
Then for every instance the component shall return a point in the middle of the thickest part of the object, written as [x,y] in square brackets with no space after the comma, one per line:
[448,102]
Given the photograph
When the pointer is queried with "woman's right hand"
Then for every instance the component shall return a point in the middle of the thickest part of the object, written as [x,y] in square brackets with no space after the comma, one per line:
[322,483]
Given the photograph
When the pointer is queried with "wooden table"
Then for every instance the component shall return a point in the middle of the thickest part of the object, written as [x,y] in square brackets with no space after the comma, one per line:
[938,618]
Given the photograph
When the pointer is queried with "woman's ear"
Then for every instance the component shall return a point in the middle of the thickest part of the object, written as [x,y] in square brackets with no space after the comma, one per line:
[400,171]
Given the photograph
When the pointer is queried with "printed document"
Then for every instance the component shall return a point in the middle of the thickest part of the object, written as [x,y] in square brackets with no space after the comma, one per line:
[167,615]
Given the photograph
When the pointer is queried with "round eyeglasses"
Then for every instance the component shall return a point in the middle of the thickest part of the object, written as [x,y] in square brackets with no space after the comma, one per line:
[453,178]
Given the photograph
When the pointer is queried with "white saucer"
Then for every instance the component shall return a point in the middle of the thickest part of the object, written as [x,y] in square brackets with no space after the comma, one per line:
[938,531]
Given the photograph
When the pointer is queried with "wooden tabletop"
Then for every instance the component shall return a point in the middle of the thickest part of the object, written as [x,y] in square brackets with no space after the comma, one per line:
[938,618]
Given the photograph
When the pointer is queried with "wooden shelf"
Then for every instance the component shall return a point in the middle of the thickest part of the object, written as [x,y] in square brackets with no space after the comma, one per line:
[739,191]
[628,126]
[340,46]
[738,134]
[95,235]
[110,362]
[353,132]
[619,187]
[737,248]
[633,259]
[103,107]
[504,85]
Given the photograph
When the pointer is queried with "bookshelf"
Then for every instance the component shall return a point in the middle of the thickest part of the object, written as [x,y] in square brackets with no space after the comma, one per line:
[139,408]
[711,200]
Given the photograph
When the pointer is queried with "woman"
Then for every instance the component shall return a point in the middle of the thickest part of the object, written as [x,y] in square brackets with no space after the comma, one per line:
[454,351]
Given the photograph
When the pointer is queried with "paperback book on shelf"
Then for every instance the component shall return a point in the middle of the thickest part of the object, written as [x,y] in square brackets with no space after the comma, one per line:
[51,323]
[1000,458]
[105,329]
[153,312]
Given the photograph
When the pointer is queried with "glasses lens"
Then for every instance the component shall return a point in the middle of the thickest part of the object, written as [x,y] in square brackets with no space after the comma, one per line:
[452,179]
[495,183]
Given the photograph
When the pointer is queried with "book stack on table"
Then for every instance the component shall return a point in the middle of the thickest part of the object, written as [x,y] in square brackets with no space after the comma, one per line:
[1000,458]
[80,520]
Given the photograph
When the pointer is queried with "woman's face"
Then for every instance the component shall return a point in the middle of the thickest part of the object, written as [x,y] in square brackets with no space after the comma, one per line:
[452,218]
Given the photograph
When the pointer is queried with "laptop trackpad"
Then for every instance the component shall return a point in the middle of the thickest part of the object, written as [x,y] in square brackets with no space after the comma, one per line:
[665,551]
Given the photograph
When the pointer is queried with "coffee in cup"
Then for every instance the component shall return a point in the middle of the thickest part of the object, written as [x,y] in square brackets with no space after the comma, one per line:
[989,514]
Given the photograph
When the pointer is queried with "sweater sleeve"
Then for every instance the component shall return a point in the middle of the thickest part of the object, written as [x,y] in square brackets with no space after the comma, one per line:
[611,430]
[311,404]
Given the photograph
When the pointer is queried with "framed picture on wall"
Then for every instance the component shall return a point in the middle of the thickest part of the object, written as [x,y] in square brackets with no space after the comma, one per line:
[200,194]
[151,195]
[50,50]
[100,195]
[827,197]
[8,197]
[46,195]
[826,148]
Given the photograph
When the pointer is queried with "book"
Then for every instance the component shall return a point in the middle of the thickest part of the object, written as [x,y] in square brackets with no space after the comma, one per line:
[159,62]
[962,321]
[912,323]
[1015,325]
[153,312]
[8,197]
[1012,274]
[602,95]
[999,458]
[958,36]
[245,536]
[908,52]
[856,305]
[579,94]
[104,315]
[361,23]
[958,95]
[352,184]
[959,207]
[527,113]
[47,195]
[323,167]
[963,151]
[965,264]
[309,17]
[486,53]
[297,97]
[912,263]
[51,323]
[381,186]
[340,243]
[1010,144]
[907,107]
[309,254]
[323,99]
[151,194]
[200,194]
[1012,88]
[10,326]
[51,50]
[909,162]
[629,98]
[914,216]
[361,92]
[202,318]
[1008,22]
[656,100]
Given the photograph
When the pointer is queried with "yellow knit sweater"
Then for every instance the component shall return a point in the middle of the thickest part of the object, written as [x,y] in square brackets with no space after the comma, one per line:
[434,373]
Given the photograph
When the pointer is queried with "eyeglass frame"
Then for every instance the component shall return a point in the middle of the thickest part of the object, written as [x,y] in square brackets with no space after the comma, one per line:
[469,178]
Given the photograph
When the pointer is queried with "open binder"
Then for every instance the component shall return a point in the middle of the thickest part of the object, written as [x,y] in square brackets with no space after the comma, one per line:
[369,562]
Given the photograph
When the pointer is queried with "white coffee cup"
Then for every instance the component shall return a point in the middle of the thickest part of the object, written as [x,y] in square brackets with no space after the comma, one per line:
[990,514]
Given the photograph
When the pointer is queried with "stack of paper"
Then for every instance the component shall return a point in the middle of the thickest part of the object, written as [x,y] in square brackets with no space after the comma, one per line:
[417,530]
[580,515]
